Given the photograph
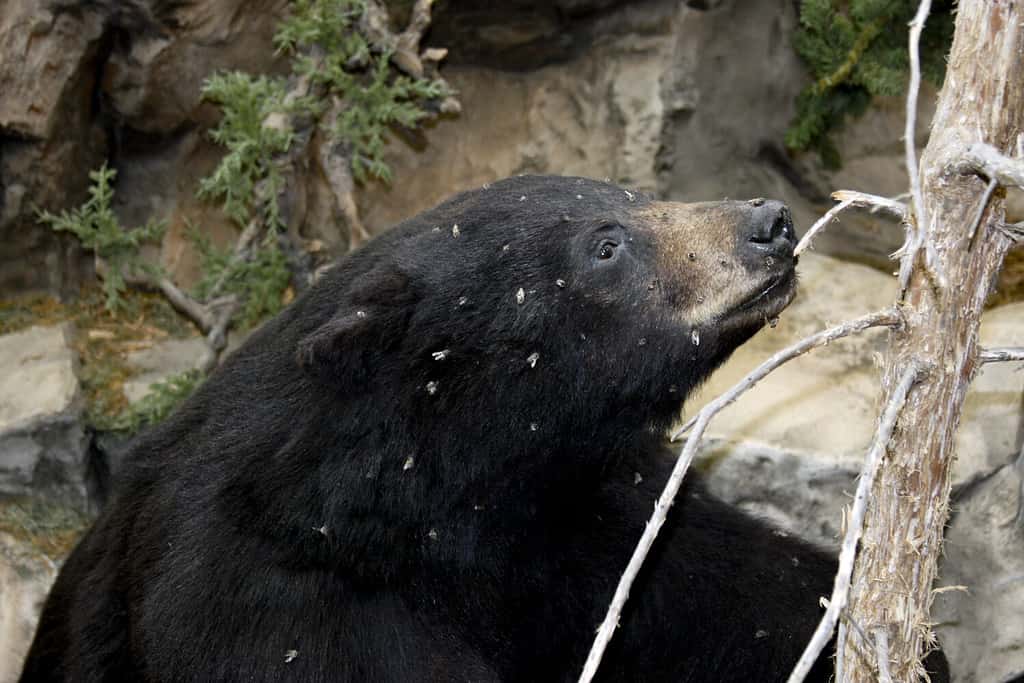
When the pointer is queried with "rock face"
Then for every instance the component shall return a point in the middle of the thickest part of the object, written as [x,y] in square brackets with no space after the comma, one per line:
[43,446]
[85,82]
[688,100]
[660,102]
[25,579]
[978,606]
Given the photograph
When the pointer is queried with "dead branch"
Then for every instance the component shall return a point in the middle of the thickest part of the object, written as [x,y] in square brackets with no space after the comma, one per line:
[882,655]
[819,224]
[186,305]
[337,168]
[988,161]
[917,227]
[916,196]
[1001,355]
[848,198]
[213,318]
[854,529]
[872,202]
[887,317]
[216,338]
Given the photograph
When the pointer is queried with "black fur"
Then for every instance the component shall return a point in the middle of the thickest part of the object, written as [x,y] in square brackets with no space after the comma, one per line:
[337,491]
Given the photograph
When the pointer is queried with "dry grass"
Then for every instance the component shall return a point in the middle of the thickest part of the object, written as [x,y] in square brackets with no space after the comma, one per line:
[44,527]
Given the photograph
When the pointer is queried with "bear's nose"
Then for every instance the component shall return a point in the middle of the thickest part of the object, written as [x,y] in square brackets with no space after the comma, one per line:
[770,226]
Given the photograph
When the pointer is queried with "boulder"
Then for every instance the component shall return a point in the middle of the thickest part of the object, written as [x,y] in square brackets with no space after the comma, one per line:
[160,361]
[43,445]
[978,600]
[25,579]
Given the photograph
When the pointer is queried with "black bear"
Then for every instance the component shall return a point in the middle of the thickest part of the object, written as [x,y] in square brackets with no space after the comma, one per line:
[434,466]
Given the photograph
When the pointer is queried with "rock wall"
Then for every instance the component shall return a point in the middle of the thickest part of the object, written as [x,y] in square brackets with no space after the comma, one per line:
[686,100]
[114,80]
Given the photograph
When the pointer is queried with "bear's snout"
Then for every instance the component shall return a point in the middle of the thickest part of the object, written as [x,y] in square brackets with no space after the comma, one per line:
[769,228]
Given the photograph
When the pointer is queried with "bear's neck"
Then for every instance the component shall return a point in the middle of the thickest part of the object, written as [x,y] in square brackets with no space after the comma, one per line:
[441,495]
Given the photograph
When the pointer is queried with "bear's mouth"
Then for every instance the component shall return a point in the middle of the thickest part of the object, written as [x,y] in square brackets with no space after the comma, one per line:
[770,298]
[773,296]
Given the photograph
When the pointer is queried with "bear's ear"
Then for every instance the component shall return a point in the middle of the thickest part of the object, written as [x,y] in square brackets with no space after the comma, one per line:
[349,347]
[337,349]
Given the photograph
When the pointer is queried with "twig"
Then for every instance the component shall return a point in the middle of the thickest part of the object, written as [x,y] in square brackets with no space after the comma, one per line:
[881,641]
[819,224]
[675,480]
[916,26]
[886,318]
[1014,231]
[846,620]
[855,527]
[916,228]
[872,202]
[848,198]
[840,639]
[216,338]
[186,305]
[990,162]
[1001,355]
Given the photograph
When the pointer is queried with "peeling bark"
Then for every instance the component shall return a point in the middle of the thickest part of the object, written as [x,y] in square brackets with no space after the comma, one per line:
[982,101]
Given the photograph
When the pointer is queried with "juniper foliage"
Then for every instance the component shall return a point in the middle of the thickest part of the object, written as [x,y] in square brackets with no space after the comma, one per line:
[246,102]
[855,50]
[330,50]
[99,231]
[259,282]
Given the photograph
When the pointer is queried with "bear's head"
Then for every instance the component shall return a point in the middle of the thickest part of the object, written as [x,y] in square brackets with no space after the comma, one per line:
[504,346]
[538,290]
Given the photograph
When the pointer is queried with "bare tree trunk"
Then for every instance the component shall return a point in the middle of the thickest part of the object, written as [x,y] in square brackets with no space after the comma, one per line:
[982,100]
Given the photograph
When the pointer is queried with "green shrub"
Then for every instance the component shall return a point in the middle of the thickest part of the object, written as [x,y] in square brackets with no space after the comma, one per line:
[246,101]
[259,282]
[99,231]
[857,49]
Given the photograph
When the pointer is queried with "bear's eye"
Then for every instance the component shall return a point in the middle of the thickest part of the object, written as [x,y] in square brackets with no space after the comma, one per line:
[606,250]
